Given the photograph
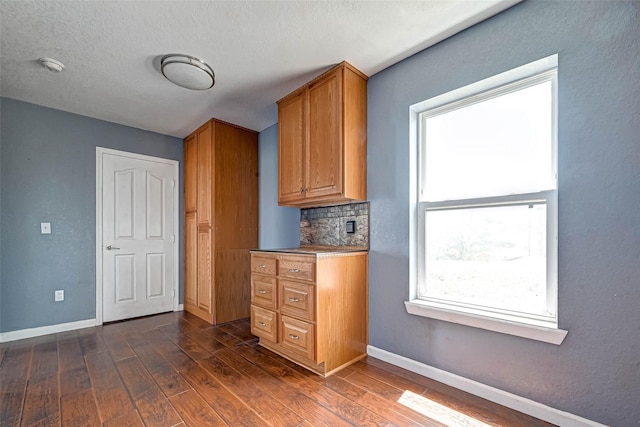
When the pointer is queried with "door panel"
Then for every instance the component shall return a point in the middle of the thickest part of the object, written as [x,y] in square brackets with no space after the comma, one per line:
[324,172]
[205,170]
[190,173]
[155,206]
[205,269]
[190,259]
[124,193]
[138,236]
[155,276]
[125,278]
[291,116]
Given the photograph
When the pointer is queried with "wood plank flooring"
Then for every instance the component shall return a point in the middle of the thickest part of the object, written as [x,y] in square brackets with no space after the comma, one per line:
[175,370]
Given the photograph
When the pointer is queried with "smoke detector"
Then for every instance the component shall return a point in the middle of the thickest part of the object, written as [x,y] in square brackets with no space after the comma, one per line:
[51,64]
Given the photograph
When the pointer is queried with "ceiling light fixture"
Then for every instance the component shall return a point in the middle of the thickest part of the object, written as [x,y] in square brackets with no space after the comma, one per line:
[51,64]
[187,71]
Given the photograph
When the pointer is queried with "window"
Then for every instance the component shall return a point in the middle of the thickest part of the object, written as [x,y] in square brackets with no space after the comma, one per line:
[486,198]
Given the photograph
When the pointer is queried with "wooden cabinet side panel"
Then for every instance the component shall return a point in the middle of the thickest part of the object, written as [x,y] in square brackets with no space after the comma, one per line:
[355,136]
[342,309]
[190,173]
[325,171]
[236,188]
[233,284]
[190,260]
[235,219]
[205,171]
[291,140]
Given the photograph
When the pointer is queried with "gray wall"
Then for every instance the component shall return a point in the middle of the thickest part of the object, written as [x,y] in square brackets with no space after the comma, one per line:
[48,173]
[595,373]
[279,227]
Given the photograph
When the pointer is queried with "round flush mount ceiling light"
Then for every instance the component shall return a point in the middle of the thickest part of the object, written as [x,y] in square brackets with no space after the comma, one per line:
[51,64]
[187,71]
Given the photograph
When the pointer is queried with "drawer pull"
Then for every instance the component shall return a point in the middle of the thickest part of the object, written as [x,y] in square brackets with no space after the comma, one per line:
[262,324]
[294,299]
[294,270]
[294,337]
[262,266]
[262,292]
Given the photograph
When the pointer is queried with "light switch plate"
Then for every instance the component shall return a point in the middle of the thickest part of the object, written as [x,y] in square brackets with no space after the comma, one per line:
[45,228]
[58,295]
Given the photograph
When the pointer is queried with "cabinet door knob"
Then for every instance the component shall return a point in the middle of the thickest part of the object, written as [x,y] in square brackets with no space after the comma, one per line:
[294,299]
[262,266]
[262,324]
[262,292]
[294,270]
[294,337]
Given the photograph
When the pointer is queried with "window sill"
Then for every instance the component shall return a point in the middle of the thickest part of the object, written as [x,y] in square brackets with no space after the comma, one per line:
[538,333]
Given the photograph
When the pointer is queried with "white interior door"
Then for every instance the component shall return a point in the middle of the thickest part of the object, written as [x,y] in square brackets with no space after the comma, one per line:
[139,206]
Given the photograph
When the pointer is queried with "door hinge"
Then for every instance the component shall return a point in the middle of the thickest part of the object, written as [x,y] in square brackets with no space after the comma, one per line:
[173,293]
[173,238]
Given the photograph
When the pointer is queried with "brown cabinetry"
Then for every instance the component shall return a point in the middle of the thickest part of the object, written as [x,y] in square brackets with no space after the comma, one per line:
[311,308]
[322,140]
[221,220]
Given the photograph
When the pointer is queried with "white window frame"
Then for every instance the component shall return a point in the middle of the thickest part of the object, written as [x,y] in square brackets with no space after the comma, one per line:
[542,328]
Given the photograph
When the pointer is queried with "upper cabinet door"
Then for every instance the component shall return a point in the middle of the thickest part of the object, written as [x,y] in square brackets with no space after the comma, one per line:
[190,173]
[291,151]
[324,146]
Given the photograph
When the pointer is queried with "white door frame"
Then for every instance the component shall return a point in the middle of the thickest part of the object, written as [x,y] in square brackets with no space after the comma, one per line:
[100,151]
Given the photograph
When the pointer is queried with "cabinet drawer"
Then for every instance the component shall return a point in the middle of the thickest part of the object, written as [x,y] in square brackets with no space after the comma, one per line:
[264,323]
[264,291]
[297,299]
[263,265]
[298,336]
[296,268]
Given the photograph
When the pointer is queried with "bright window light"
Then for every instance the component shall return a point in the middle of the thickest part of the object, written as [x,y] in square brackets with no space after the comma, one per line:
[487,199]
[438,412]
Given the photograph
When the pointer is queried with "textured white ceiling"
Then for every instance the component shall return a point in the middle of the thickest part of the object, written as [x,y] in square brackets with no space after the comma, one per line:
[260,51]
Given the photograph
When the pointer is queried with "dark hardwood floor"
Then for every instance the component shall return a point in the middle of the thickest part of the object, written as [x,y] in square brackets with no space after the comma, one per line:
[174,369]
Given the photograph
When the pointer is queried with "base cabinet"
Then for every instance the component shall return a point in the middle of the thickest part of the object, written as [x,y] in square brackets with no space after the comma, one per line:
[311,308]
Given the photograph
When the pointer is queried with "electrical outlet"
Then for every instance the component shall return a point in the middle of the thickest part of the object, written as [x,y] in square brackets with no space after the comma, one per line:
[58,295]
[351,227]
[45,228]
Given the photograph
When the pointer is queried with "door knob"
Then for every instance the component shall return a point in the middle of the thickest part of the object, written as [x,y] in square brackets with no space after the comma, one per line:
[110,248]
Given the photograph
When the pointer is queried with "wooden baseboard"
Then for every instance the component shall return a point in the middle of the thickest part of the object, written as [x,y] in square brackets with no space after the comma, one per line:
[515,402]
[45,330]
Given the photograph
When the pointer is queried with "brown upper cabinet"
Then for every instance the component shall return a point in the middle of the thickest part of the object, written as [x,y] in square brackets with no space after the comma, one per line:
[221,220]
[322,140]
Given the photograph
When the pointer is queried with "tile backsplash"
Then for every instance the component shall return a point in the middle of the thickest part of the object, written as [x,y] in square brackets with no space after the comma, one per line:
[327,226]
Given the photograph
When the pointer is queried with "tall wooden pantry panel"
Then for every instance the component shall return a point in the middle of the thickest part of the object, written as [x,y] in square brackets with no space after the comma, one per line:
[221,220]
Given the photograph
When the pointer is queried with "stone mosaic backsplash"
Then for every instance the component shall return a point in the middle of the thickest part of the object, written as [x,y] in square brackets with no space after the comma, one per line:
[327,226]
